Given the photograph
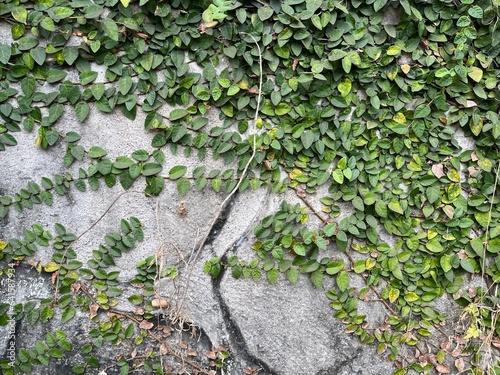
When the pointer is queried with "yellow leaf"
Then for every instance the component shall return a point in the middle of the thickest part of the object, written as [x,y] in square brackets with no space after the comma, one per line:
[431,233]
[3,245]
[399,118]
[51,267]
[243,84]
[370,263]
[295,173]
[125,3]
[453,175]
[393,295]
[405,68]
[472,332]
[475,73]
[411,297]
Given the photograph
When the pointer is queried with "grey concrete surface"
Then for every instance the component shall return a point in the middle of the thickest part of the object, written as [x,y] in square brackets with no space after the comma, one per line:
[282,329]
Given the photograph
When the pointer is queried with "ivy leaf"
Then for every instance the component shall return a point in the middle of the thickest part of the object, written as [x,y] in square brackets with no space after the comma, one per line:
[342,280]
[396,207]
[20,14]
[110,28]
[434,246]
[38,54]
[96,152]
[265,12]
[422,111]
[476,11]
[183,186]
[177,172]
[307,138]
[177,114]
[82,110]
[150,169]
[475,73]
[344,87]
[87,77]
[154,185]
[67,315]
[48,24]
[124,85]
[5,53]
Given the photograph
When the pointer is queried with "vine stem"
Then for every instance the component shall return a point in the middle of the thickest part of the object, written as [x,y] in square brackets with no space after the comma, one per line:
[56,287]
[194,255]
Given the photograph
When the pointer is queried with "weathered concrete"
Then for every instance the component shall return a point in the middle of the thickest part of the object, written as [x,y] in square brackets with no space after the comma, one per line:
[282,329]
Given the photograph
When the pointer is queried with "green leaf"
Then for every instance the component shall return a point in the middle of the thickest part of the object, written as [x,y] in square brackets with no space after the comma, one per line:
[177,114]
[48,24]
[124,85]
[38,54]
[20,14]
[422,111]
[96,152]
[396,207]
[434,246]
[70,54]
[150,169]
[307,138]
[344,87]
[475,73]
[393,50]
[60,13]
[493,246]
[334,267]
[342,280]
[265,12]
[5,53]
[110,28]
[54,352]
[87,76]
[445,262]
[338,176]
[317,278]
[177,172]
[154,185]
[346,64]
[82,110]
[282,109]
[67,315]
[183,186]
[293,275]
[272,275]
[476,11]
[55,75]
[299,249]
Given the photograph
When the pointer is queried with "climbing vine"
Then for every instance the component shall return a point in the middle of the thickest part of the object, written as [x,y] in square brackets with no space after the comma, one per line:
[362,104]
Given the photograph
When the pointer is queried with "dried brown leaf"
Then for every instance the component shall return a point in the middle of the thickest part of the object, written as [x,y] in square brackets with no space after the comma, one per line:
[437,169]
[163,349]
[442,369]
[93,310]
[211,354]
[160,302]
[146,325]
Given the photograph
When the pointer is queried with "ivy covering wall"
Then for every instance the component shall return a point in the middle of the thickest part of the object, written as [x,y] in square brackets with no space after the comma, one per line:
[365,98]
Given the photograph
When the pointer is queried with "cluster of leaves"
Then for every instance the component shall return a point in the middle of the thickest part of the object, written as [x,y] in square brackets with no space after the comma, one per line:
[79,290]
[364,97]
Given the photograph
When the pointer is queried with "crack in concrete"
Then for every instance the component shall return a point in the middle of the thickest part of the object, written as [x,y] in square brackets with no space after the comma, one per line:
[237,341]
[221,220]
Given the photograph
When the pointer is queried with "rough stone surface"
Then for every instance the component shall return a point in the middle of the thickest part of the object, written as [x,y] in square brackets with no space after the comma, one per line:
[282,329]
